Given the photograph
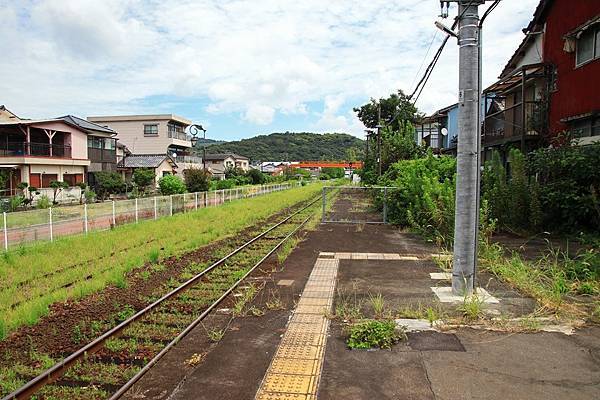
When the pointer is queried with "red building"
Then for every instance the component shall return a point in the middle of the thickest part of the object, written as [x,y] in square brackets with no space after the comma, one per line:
[551,84]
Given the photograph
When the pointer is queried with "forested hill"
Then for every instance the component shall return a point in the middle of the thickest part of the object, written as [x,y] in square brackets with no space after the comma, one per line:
[293,147]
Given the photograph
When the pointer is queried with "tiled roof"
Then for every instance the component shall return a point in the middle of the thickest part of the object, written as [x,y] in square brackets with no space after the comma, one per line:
[84,124]
[144,161]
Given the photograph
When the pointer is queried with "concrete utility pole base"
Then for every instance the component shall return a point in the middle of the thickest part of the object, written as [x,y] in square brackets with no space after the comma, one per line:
[467,180]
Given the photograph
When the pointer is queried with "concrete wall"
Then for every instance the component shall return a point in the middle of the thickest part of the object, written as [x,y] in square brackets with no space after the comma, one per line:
[131,134]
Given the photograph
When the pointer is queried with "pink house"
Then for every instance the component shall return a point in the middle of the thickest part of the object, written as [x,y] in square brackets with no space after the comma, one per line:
[41,151]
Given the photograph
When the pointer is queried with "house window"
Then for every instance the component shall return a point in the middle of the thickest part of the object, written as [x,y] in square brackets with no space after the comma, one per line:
[151,130]
[585,128]
[588,46]
[94,142]
[73,179]
[47,178]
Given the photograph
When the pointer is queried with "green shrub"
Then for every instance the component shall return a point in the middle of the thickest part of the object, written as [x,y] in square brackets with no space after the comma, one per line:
[196,180]
[256,177]
[43,202]
[108,183]
[424,195]
[369,334]
[333,173]
[225,184]
[171,184]
[15,202]
[143,177]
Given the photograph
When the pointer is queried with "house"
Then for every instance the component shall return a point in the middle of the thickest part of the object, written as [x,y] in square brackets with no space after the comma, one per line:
[154,134]
[7,115]
[41,151]
[274,168]
[217,164]
[161,164]
[546,88]
[439,130]
[101,144]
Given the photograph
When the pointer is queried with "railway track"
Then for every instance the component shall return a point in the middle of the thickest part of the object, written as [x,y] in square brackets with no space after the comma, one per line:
[108,366]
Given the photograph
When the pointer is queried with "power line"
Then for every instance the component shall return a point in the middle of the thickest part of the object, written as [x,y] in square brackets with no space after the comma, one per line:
[424,57]
[421,85]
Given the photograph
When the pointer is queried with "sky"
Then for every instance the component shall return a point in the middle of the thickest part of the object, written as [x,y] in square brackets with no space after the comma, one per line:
[239,68]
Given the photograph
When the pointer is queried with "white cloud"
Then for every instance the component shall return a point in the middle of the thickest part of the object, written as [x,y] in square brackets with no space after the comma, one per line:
[252,59]
[259,114]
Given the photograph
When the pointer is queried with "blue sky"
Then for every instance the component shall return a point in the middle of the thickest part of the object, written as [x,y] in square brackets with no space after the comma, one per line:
[240,68]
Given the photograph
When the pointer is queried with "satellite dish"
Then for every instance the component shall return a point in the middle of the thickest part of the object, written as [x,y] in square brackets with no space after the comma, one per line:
[444,131]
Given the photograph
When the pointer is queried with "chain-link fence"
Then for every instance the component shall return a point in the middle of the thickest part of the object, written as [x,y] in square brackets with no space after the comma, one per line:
[48,224]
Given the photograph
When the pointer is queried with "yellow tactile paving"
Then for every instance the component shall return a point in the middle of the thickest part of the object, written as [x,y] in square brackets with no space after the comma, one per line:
[281,396]
[308,319]
[304,352]
[322,310]
[293,366]
[296,367]
[369,256]
[284,383]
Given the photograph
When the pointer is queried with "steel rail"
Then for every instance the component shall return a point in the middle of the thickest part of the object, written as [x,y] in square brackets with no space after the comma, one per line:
[57,370]
[123,389]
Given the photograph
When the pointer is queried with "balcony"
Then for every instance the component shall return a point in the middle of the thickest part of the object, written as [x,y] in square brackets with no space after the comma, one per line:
[514,123]
[32,149]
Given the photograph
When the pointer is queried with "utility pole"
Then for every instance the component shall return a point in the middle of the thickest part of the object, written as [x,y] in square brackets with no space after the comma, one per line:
[379,138]
[467,180]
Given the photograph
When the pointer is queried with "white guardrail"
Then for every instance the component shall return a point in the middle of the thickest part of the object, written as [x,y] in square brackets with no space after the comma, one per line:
[47,224]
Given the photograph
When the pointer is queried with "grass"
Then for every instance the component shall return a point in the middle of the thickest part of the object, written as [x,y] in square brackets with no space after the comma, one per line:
[110,255]
[472,307]
[555,280]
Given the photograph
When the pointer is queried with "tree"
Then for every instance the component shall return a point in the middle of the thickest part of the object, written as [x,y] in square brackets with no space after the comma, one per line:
[256,177]
[108,183]
[171,184]
[196,180]
[394,111]
[143,177]
[333,173]
[57,187]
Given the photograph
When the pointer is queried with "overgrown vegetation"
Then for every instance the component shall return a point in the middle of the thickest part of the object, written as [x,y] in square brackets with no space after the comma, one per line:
[374,333]
[33,277]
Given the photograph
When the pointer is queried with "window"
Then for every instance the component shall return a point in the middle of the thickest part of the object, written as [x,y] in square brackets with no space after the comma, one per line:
[72,179]
[588,46]
[585,128]
[47,178]
[94,142]
[175,131]
[151,130]
[109,144]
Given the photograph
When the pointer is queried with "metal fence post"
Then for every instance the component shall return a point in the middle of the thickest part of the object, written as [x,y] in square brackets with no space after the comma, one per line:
[85,218]
[136,210]
[170,205]
[205,196]
[324,196]
[50,224]
[114,218]
[155,208]
[215,197]
[385,207]
[5,232]
[222,196]
[196,200]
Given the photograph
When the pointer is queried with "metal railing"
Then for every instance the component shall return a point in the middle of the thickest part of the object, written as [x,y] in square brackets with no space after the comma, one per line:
[16,149]
[48,224]
[188,159]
